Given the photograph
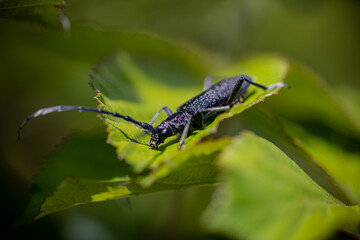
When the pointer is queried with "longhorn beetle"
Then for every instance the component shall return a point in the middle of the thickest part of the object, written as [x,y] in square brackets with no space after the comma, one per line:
[194,114]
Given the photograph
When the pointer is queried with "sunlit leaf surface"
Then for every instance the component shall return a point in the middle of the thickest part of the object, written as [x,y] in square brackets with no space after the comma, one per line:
[83,157]
[267,196]
[313,102]
[73,192]
[265,124]
[78,175]
[343,165]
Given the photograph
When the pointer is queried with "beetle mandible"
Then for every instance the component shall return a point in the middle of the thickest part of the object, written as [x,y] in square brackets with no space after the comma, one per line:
[194,114]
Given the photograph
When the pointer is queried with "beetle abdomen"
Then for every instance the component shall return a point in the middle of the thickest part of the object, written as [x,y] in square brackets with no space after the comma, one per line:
[215,96]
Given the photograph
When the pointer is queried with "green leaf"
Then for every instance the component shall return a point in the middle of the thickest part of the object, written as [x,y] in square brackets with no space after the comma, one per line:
[267,196]
[311,101]
[86,171]
[192,165]
[74,191]
[343,165]
[264,123]
[47,11]
[326,126]
[138,86]
[86,156]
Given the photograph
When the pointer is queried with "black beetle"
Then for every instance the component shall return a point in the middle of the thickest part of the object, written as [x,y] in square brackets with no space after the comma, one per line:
[196,113]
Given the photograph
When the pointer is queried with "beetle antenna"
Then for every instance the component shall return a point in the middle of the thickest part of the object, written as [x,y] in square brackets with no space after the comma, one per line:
[62,108]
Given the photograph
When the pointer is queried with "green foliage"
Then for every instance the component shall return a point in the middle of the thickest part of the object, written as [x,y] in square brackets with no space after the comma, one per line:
[263,192]
[314,124]
[64,185]
[343,165]
[267,196]
[324,126]
[312,100]
[86,157]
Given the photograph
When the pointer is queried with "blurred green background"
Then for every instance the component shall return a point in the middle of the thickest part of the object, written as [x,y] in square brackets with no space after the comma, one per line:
[44,65]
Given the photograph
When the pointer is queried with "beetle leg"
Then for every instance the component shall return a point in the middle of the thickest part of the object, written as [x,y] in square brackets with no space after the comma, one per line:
[235,91]
[238,86]
[166,109]
[216,109]
[240,82]
[185,132]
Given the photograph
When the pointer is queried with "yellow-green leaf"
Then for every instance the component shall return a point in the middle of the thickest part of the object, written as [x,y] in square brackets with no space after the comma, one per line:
[267,196]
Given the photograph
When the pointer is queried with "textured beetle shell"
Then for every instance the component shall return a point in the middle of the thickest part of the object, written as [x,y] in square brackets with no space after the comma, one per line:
[215,96]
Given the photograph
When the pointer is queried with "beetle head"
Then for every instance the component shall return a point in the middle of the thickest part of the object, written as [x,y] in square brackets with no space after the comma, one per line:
[159,134]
